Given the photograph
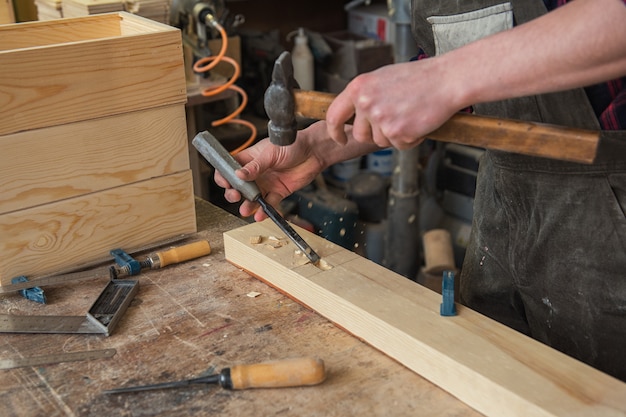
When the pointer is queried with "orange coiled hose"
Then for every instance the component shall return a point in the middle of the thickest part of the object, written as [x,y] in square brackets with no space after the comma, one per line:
[208,63]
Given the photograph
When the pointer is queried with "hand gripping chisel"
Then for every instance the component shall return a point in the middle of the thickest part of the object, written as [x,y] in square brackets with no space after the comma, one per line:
[218,156]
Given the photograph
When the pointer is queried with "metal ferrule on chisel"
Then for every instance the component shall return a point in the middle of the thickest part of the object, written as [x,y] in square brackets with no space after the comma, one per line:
[213,151]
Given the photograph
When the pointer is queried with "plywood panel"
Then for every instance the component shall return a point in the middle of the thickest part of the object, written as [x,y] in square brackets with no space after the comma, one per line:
[490,367]
[67,233]
[43,165]
[63,80]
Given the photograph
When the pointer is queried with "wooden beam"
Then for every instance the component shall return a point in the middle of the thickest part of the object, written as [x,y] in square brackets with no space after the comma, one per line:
[490,367]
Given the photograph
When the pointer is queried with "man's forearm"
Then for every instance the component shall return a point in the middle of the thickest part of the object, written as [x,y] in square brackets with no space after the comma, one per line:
[579,44]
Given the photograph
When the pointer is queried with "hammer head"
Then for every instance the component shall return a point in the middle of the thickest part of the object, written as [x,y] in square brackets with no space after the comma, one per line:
[280,104]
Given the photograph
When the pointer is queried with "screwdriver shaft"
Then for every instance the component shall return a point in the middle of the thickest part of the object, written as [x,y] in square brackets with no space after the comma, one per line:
[212,379]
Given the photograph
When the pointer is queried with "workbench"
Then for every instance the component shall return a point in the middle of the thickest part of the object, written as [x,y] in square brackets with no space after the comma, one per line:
[193,317]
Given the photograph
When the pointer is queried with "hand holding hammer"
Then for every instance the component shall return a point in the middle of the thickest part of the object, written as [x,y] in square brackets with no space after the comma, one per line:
[284,101]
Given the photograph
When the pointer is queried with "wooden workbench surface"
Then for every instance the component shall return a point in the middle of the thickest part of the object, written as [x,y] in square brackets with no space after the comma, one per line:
[189,318]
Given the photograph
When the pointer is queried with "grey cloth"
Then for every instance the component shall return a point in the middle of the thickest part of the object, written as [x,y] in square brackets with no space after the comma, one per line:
[547,252]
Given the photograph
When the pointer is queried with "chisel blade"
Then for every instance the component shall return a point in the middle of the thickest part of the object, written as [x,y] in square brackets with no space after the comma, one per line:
[289,231]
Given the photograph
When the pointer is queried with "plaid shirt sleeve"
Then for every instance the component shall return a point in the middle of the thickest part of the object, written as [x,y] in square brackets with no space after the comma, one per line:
[607,99]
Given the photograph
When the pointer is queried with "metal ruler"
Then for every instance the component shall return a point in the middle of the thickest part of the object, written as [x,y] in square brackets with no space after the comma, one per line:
[101,318]
[57,358]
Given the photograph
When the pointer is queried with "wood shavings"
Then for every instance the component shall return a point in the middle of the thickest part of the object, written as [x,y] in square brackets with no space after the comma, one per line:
[275,242]
[323,265]
[255,240]
[299,258]
[271,242]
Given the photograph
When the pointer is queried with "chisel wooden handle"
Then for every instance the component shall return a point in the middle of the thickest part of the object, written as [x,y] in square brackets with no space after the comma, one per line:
[279,374]
[182,253]
[527,138]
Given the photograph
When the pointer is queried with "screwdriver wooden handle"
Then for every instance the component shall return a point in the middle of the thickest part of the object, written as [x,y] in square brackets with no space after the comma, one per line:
[278,374]
[527,138]
[184,253]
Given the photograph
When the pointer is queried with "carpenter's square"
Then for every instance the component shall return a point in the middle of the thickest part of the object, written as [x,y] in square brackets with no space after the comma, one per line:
[218,156]
[101,318]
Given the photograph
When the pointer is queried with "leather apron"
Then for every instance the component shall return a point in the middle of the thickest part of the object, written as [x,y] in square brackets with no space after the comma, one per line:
[547,252]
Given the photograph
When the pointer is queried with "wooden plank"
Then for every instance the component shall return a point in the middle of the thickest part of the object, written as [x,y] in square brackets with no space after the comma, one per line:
[490,367]
[75,231]
[7,14]
[87,7]
[43,165]
[63,80]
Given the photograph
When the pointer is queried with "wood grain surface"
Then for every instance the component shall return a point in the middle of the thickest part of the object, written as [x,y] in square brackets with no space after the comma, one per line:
[193,317]
[489,366]
[54,163]
[55,77]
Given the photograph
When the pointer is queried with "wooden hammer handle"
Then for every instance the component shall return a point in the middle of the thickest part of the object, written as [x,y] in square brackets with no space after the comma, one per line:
[527,138]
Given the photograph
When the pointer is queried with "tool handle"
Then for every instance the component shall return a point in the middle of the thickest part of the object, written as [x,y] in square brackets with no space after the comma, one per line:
[286,373]
[183,253]
[213,151]
[527,138]
[312,104]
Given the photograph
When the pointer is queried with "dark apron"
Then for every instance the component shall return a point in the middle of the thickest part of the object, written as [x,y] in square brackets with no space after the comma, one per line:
[547,252]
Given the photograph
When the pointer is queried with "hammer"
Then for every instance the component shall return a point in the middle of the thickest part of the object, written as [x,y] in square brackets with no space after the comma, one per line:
[284,102]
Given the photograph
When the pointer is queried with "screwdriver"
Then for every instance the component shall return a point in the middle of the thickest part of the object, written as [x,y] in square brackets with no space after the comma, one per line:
[218,156]
[131,267]
[162,259]
[277,374]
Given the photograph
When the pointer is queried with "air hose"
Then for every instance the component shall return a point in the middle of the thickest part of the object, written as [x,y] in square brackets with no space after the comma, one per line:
[210,62]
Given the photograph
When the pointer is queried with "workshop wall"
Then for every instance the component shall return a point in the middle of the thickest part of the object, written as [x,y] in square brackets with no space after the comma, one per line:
[287,15]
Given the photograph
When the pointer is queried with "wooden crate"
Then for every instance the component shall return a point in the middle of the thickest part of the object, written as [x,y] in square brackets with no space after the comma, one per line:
[65,161]
[94,142]
[66,70]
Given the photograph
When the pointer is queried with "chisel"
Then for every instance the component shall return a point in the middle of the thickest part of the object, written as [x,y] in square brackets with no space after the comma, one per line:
[278,374]
[153,261]
[220,159]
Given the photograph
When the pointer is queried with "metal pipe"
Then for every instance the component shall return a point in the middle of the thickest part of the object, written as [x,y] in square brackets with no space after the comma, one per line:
[402,234]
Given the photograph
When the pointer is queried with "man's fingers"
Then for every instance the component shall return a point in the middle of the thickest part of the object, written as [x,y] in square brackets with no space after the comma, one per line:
[220,180]
[248,208]
[231,195]
[339,112]
[362,130]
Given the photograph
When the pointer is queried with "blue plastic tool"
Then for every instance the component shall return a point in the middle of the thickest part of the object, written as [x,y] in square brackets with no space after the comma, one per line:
[447,308]
[34,294]
[130,265]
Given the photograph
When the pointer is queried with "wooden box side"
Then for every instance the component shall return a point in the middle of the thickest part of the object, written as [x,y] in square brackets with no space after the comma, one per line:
[54,163]
[61,235]
[60,83]
[79,29]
